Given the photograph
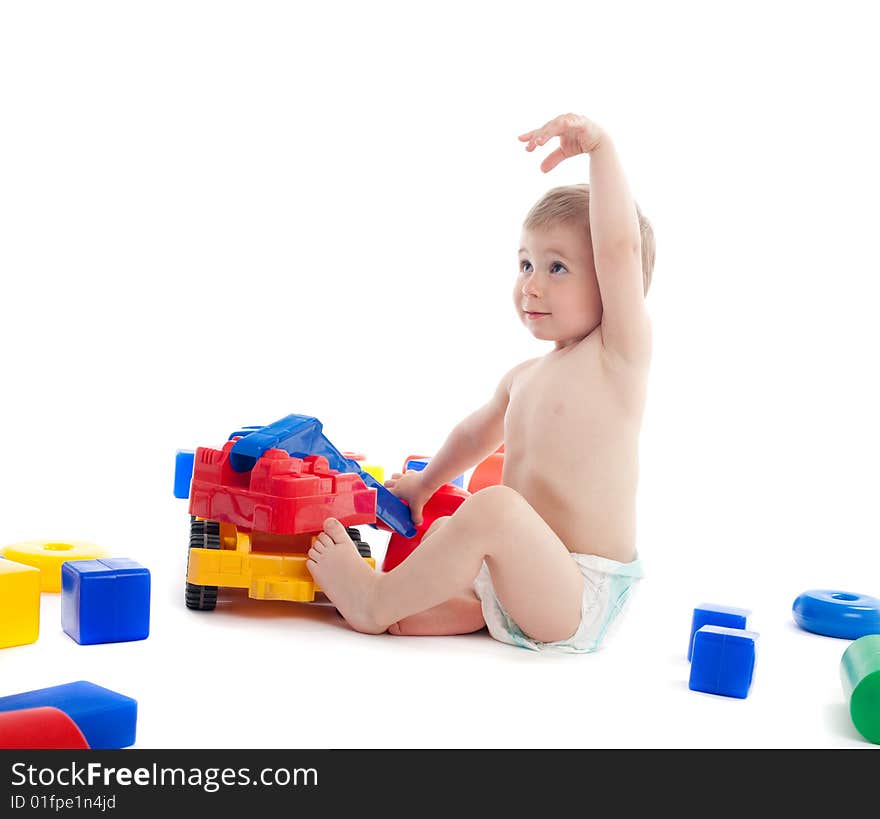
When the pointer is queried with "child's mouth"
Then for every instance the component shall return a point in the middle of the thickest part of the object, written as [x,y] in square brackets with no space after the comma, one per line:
[536,315]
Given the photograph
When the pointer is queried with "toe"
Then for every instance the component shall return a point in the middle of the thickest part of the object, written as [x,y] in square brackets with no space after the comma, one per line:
[335,529]
[324,539]
[314,555]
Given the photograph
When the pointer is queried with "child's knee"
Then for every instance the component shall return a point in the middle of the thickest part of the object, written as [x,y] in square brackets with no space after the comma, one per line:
[495,499]
[436,525]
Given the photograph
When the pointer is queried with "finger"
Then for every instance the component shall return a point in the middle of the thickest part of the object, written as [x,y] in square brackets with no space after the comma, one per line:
[541,130]
[548,130]
[556,125]
[538,139]
[552,160]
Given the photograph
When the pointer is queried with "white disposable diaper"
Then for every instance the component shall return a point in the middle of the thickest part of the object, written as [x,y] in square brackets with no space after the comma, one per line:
[608,585]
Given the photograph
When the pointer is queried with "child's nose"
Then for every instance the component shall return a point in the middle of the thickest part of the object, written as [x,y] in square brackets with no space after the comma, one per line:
[530,284]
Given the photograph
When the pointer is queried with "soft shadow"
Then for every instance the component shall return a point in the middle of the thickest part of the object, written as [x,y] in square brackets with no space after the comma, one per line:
[840,722]
[236,603]
[794,627]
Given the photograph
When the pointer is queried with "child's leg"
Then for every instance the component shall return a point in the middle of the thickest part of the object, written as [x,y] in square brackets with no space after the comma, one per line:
[462,614]
[458,615]
[534,576]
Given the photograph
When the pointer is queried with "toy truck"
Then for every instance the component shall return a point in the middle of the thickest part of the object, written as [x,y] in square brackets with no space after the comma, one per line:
[257,503]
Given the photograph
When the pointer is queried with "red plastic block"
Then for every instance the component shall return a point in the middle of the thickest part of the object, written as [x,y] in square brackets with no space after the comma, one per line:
[40,728]
[282,494]
[441,504]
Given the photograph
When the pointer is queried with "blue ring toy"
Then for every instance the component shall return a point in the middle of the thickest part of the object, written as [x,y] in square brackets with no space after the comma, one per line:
[837,613]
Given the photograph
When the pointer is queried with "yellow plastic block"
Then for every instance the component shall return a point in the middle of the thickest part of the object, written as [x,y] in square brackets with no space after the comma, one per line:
[19,604]
[375,470]
[48,555]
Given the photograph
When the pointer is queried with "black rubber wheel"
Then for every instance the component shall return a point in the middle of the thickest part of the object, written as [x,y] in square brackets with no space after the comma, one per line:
[203,534]
[362,546]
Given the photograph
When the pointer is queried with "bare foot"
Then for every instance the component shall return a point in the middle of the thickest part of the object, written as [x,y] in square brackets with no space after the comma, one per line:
[344,576]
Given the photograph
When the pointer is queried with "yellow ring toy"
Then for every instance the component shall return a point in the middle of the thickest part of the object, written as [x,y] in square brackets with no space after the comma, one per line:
[48,555]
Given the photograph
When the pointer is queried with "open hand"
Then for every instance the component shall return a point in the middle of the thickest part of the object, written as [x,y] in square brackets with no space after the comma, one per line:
[577,135]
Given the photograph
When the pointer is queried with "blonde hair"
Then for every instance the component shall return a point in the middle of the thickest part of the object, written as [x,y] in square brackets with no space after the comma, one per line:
[571,204]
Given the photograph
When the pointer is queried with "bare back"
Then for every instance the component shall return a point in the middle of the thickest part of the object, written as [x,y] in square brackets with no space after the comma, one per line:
[571,434]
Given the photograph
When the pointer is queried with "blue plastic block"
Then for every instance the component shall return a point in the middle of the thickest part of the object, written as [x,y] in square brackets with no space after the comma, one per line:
[418,464]
[723,661]
[183,472]
[105,601]
[711,614]
[107,720]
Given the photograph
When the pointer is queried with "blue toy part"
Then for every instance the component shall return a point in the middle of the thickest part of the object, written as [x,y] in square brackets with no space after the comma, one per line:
[837,613]
[107,719]
[184,461]
[723,661]
[712,614]
[301,436]
[418,464]
[244,431]
[392,511]
[105,601]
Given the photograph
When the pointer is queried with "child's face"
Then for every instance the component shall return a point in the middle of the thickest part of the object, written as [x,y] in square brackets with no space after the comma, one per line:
[557,293]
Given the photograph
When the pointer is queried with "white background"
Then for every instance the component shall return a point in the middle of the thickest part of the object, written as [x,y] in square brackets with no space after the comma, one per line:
[215,214]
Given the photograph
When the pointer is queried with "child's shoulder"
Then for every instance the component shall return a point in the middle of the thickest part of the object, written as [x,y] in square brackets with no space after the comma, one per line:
[522,367]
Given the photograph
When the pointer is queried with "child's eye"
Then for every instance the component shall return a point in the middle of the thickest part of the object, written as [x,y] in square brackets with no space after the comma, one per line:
[556,264]
[522,264]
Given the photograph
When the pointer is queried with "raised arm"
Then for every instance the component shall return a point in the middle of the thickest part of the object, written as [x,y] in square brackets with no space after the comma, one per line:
[614,231]
[617,254]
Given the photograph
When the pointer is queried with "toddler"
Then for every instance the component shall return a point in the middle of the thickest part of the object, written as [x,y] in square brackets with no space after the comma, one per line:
[547,558]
